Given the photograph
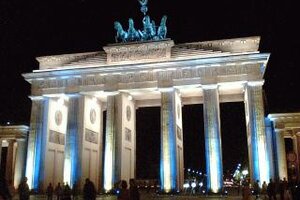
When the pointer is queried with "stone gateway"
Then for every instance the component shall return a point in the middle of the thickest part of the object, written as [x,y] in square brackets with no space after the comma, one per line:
[70,92]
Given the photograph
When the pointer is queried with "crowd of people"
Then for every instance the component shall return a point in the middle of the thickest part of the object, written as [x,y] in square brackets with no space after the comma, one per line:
[128,194]
[272,190]
[65,192]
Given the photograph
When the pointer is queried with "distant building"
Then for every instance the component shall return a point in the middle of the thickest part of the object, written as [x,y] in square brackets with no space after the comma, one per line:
[13,148]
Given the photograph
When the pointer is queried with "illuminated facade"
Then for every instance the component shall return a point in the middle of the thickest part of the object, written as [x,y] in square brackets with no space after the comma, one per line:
[70,93]
[14,139]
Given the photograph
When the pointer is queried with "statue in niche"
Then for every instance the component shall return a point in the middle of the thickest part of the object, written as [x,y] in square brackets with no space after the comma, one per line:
[132,33]
[121,34]
[162,29]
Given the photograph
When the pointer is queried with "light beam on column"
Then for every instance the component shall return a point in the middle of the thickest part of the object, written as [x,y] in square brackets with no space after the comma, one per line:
[73,147]
[109,167]
[257,144]
[38,121]
[280,154]
[168,170]
[213,147]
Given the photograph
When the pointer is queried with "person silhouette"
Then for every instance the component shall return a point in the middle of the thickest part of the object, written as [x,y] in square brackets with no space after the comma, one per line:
[133,190]
[23,189]
[49,191]
[89,190]
[124,192]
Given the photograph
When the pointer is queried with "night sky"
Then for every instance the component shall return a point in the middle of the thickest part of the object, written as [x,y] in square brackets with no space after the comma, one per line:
[36,28]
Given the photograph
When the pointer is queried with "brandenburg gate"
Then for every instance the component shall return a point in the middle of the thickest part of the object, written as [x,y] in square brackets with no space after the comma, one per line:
[70,92]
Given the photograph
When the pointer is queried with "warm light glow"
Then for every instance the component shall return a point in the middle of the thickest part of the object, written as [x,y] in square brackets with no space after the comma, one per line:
[108,162]
[167,167]
[67,170]
[129,97]
[29,168]
[193,184]
[263,161]
[245,172]
[214,167]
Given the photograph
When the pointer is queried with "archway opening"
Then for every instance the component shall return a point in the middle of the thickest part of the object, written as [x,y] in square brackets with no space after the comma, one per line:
[193,143]
[147,146]
[234,145]
[3,161]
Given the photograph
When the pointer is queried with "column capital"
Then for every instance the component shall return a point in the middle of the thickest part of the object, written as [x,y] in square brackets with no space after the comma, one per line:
[167,89]
[37,98]
[255,83]
[278,131]
[210,87]
[21,139]
[111,93]
[74,95]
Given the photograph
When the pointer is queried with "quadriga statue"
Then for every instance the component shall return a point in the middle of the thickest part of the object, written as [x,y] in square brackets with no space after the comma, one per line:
[133,34]
[121,34]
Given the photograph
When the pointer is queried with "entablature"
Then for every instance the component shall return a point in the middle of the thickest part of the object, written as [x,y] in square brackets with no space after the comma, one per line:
[154,75]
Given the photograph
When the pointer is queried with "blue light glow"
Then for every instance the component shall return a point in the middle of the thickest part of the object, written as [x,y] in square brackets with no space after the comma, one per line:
[41,133]
[168,167]
[72,136]
[259,157]
[213,150]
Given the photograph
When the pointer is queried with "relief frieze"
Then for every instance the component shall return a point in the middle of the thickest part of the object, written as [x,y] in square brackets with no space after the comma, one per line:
[110,80]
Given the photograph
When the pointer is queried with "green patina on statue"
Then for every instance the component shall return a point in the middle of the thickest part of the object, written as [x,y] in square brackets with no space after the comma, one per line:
[149,31]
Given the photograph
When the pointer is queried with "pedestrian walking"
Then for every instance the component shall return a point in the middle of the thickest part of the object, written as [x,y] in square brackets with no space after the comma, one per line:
[246,191]
[89,190]
[49,191]
[124,192]
[23,190]
[58,191]
[67,192]
[256,189]
[264,190]
[271,190]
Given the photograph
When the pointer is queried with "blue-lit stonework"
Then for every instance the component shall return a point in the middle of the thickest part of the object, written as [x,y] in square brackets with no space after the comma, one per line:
[270,146]
[212,134]
[168,162]
[259,160]
[37,142]
[72,147]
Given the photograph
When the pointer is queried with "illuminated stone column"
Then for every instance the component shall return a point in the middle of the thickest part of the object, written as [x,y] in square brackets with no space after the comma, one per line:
[270,148]
[171,164]
[212,133]
[280,160]
[119,157]
[110,140]
[36,142]
[259,162]
[19,171]
[9,162]
[74,137]
[296,140]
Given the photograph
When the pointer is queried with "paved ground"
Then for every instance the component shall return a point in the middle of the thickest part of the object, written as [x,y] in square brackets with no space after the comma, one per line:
[152,196]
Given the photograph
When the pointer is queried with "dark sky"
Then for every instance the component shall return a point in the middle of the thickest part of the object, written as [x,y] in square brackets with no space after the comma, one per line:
[41,27]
